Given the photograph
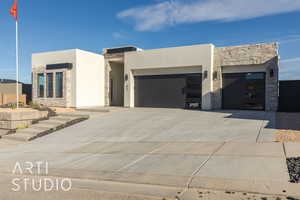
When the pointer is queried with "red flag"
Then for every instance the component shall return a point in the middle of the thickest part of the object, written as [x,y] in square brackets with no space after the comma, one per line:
[14,10]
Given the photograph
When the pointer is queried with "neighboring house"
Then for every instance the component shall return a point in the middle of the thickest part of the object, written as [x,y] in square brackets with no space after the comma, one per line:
[199,76]
[8,87]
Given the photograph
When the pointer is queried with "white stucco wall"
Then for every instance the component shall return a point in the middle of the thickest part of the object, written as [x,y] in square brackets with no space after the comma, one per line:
[162,60]
[85,85]
[89,79]
[53,57]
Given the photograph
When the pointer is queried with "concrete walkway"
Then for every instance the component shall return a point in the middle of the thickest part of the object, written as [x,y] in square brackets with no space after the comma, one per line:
[176,149]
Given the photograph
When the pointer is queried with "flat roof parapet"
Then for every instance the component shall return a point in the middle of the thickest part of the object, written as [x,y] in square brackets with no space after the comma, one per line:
[120,49]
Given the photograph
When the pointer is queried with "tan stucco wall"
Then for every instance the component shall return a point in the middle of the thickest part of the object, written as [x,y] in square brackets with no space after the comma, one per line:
[169,58]
[169,70]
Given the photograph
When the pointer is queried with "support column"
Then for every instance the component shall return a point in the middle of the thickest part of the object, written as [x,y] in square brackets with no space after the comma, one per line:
[207,82]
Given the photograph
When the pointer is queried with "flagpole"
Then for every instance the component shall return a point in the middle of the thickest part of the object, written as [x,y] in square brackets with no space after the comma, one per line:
[17,63]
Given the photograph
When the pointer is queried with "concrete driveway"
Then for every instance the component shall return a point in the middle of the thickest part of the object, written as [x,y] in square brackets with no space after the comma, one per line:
[182,149]
[171,125]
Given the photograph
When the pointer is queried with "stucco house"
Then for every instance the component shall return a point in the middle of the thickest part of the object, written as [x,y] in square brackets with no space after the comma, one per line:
[199,76]
[8,91]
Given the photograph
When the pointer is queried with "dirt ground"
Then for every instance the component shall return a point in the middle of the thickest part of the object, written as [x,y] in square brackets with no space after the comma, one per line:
[62,110]
[202,194]
[288,127]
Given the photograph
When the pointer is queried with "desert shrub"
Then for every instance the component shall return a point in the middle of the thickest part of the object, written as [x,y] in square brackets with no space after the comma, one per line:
[12,105]
[41,107]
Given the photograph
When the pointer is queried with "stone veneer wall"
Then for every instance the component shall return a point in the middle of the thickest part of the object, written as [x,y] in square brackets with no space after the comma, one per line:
[258,54]
[12,119]
[108,59]
[67,90]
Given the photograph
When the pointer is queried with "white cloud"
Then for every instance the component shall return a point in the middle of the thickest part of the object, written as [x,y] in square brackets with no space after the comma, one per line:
[170,12]
[290,69]
[289,39]
[291,60]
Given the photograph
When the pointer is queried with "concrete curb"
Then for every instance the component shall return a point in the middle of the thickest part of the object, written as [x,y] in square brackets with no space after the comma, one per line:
[177,183]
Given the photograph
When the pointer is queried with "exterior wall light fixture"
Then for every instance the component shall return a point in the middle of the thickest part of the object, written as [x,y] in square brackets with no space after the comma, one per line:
[215,75]
[205,74]
[271,73]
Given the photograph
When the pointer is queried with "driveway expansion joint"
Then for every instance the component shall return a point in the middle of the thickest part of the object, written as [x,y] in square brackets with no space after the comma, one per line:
[260,129]
[141,158]
[187,187]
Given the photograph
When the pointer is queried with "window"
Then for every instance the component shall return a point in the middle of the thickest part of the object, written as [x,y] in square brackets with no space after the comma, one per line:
[255,76]
[41,85]
[49,81]
[59,84]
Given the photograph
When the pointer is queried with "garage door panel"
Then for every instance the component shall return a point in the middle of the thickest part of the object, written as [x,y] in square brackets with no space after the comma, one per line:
[244,91]
[160,91]
[168,91]
[232,87]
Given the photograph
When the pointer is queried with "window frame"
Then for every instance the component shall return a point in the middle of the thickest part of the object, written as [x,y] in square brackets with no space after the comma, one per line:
[40,93]
[51,84]
[62,85]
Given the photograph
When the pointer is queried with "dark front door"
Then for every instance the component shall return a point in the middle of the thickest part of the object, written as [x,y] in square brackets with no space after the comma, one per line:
[244,91]
[167,91]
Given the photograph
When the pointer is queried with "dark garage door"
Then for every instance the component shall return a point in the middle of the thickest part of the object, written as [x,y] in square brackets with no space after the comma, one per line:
[244,91]
[168,91]
[289,96]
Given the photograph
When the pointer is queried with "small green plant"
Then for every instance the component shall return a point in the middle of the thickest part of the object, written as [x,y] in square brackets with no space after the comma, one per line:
[41,107]
[12,105]
[35,105]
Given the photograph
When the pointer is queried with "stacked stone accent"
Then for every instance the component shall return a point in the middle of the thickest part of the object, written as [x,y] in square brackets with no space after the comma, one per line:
[110,58]
[272,85]
[258,54]
[55,102]
[217,81]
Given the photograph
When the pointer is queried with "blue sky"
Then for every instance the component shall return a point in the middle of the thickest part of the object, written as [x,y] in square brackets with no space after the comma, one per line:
[47,25]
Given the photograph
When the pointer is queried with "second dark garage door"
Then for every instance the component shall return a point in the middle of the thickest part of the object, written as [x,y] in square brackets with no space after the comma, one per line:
[244,91]
[168,91]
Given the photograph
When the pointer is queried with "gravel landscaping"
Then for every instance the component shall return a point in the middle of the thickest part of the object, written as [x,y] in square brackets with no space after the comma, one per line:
[288,127]
[294,169]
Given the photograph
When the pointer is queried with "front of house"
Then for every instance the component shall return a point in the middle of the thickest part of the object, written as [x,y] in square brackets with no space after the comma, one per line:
[199,76]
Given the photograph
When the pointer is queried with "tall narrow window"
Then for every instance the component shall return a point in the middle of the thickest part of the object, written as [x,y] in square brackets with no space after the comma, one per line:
[41,85]
[59,84]
[49,81]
